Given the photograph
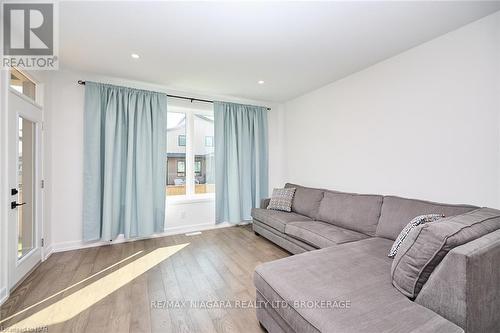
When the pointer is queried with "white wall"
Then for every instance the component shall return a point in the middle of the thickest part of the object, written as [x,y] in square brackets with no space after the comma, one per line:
[277,161]
[422,124]
[65,120]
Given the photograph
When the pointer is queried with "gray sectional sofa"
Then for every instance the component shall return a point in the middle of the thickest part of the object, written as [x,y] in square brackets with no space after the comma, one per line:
[340,280]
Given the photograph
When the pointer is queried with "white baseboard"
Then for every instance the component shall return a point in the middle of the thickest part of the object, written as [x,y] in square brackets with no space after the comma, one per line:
[3,295]
[47,251]
[79,244]
[190,228]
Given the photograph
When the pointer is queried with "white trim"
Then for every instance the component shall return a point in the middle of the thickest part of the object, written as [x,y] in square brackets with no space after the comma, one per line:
[47,252]
[189,199]
[76,245]
[3,295]
[26,98]
[4,184]
[39,88]
[196,227]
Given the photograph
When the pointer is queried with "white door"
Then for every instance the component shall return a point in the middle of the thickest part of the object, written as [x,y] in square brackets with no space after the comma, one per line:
[24,227]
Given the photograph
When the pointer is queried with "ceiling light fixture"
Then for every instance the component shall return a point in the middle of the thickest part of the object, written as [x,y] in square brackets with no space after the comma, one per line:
[135,55]
[260,82]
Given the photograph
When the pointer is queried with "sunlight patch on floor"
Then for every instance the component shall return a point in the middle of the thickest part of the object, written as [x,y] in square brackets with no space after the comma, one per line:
[71,287]
[82,299]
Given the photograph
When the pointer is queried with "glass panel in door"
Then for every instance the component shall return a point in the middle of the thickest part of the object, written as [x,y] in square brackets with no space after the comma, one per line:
[25,176]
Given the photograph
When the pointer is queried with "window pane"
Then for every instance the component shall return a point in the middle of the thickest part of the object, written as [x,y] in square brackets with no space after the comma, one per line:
[22,84]
[181,168]
[176,153]
[181,141]
[26,225]
[203,145]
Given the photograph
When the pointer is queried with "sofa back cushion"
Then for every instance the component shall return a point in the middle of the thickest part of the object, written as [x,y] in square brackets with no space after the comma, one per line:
[358,212]
[426,245]
[306,200]
[398,212]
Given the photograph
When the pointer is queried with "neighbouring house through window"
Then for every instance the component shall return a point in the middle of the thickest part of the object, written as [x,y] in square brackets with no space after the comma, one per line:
[181,140]
[176,153]
[203,149]
[181,168]
[197,167]
[190,153]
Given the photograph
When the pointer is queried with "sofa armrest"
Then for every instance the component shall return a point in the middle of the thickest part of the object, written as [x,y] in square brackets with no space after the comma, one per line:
[264,203]
[464,286]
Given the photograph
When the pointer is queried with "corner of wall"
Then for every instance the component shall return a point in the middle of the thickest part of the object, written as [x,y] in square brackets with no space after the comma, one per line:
[277,165]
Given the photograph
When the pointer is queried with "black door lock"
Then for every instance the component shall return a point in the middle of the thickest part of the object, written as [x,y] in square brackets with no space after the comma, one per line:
[14,204]
[13,191]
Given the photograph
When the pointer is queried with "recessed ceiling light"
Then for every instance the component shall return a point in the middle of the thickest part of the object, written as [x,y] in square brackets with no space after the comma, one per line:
[260,82]
[135,55]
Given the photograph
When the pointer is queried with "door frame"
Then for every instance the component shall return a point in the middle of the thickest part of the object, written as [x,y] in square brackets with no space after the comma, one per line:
[4,265]
[19,269]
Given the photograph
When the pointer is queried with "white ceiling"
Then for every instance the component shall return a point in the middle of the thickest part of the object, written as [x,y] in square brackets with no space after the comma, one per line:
[225,48]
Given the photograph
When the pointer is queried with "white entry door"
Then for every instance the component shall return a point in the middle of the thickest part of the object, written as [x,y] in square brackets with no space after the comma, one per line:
[24,226]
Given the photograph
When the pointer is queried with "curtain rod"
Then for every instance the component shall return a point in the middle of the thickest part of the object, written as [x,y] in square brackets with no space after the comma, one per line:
[176,96]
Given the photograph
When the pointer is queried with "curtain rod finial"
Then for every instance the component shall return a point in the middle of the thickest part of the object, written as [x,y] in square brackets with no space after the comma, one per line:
[81,82]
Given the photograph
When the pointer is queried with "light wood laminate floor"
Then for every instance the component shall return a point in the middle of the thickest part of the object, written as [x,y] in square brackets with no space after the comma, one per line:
[125,287]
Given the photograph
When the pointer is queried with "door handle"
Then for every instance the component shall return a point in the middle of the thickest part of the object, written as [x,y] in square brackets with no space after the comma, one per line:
[14,204]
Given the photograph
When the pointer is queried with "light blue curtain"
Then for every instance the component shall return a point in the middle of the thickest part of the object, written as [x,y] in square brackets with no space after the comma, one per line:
[241,160]
[124,162]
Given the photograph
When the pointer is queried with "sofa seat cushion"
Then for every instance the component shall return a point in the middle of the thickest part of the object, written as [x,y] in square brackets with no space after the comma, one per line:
[321,234]
[357,273]
[284,241]
[276,219]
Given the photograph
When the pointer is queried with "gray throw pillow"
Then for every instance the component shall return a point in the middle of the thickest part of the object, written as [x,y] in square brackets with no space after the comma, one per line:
[421,219]
[282,199]
[427,245]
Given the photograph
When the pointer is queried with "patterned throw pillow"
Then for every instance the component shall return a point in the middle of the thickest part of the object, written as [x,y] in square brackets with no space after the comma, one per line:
[282,199]
[421,219]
